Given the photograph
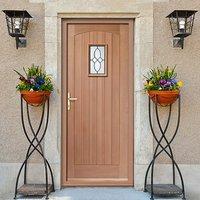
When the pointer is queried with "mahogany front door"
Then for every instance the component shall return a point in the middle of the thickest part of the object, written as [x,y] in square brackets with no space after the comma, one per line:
[97,102]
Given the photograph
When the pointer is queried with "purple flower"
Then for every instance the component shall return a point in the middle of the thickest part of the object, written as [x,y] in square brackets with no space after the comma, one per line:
[168,84]
[32,80]
[162,82]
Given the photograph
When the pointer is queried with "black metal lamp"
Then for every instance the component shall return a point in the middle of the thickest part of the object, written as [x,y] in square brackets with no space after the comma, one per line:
[181,22]
[17,23]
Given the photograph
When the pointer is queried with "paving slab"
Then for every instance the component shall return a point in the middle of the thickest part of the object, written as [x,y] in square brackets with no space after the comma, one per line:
[94,193]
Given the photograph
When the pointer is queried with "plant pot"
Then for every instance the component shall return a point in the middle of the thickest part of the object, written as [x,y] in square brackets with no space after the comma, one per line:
[163,98]
[35,98]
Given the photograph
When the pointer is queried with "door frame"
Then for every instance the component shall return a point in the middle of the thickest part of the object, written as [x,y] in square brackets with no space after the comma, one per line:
[64,38]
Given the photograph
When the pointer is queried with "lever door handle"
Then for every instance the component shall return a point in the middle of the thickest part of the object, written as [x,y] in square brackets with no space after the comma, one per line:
[69,99]
[72,99]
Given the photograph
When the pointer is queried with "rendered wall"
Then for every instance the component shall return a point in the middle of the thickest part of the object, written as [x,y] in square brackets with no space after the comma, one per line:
[13,143]
[186,145]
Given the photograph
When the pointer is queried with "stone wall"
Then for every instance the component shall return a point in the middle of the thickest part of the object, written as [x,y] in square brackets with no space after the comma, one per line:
[141,11]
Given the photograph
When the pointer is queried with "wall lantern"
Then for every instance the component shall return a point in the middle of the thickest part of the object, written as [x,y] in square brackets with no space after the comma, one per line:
[17,23]
[181,22]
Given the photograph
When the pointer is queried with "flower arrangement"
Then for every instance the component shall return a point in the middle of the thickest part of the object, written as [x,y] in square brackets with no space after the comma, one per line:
[35,79]
[162,79]
[162,85]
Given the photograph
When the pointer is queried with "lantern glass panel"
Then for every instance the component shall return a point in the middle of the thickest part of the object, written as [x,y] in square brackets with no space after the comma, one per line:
[182,25]
[17,22]
[181,22]
[17,26]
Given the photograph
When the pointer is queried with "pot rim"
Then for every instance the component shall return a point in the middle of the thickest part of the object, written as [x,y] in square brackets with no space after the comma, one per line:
[164,91]
[36,92]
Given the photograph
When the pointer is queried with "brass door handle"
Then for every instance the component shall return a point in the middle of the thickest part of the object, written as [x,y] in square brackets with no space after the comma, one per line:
[69,99]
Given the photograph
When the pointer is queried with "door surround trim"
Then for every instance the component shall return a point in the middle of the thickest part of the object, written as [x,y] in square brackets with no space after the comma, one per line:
[94,15]
[64,23]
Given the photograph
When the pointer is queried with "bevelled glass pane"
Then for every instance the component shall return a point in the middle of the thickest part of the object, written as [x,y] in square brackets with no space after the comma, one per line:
[97,59]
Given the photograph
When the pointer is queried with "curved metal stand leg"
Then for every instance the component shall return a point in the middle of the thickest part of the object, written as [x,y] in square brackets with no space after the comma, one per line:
[163,148]
[37,147]
[41,150]
[158,141]
[29,148]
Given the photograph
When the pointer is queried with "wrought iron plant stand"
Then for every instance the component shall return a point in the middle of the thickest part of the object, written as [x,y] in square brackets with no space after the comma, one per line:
[35,145]
[164,190]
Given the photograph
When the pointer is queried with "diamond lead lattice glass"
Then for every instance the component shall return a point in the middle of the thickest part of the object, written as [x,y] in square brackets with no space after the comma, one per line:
[97,60]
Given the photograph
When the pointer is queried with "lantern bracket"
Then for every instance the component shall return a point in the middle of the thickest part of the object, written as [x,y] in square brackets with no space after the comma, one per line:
[20,42]
[178,42]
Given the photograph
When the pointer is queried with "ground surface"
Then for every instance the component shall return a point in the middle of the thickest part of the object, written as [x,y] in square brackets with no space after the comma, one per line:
[92,194]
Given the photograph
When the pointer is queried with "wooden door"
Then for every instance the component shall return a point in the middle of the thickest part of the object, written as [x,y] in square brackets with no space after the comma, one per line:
[97,134]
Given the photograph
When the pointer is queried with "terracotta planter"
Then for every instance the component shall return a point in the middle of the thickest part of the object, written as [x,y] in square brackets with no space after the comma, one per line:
[164,98]
[35,98]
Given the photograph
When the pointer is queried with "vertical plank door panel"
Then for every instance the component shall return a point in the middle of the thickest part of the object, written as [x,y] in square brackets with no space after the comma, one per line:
[98,137]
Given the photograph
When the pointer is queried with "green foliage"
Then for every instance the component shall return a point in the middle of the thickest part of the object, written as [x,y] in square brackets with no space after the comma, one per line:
[35,79]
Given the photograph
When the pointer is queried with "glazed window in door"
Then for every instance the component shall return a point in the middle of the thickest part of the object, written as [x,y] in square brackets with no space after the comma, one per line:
[98,57]
[97,136]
